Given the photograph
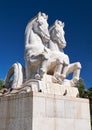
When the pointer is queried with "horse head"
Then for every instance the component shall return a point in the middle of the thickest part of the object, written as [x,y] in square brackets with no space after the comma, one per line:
[57,34]
[40,27]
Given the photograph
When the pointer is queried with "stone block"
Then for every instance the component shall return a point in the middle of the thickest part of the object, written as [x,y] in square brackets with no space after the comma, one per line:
[38,111]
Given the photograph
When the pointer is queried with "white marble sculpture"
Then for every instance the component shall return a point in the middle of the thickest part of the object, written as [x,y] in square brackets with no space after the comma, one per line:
[36,34]
[46,64]
[56,44]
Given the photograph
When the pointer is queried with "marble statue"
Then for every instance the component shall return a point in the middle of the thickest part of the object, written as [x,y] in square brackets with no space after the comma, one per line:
[46,65]
[36,34]
[56,44]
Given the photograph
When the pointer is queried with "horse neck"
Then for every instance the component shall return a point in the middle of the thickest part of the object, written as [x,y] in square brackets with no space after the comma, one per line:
[35,38]
[54,46]
[31,36]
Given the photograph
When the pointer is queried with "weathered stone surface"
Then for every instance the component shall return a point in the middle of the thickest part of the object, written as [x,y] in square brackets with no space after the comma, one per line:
[38,111]
[51,88]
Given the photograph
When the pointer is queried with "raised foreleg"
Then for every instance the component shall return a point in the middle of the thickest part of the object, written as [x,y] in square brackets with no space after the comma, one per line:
[75,68]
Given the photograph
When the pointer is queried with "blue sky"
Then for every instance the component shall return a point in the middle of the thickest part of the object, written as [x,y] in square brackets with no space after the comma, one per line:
[77,16]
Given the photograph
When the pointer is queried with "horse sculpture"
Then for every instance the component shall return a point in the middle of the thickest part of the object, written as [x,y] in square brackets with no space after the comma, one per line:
[39,59]
[45,60]
[36,34]
[56,44]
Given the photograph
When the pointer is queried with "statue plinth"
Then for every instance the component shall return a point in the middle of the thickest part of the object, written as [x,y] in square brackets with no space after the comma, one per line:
[38,111]
[48,87]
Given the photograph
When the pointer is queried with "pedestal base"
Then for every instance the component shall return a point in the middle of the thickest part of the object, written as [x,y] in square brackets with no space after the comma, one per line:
[50,88]
[38,111]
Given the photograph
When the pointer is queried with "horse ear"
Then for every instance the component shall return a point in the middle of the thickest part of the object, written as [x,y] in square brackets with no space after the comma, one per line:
[39,14]
[47,17]
[56,22]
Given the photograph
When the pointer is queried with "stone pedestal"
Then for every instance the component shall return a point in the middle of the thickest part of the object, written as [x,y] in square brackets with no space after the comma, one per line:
[48,87]
[39,111]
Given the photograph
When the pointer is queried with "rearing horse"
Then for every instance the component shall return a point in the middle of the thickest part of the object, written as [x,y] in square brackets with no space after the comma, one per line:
[56,44]
[36,34]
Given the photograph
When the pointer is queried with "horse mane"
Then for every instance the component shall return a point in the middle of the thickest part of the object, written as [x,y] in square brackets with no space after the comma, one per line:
[59,22]
[51,27]
[30,23]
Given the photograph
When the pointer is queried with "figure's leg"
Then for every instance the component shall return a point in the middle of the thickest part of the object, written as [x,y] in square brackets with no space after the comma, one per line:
[60,73]
[31,67]
[43,68]
[62,67]
[75,68]
[28,72]
[37,75]
[64,71]
[57,73]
